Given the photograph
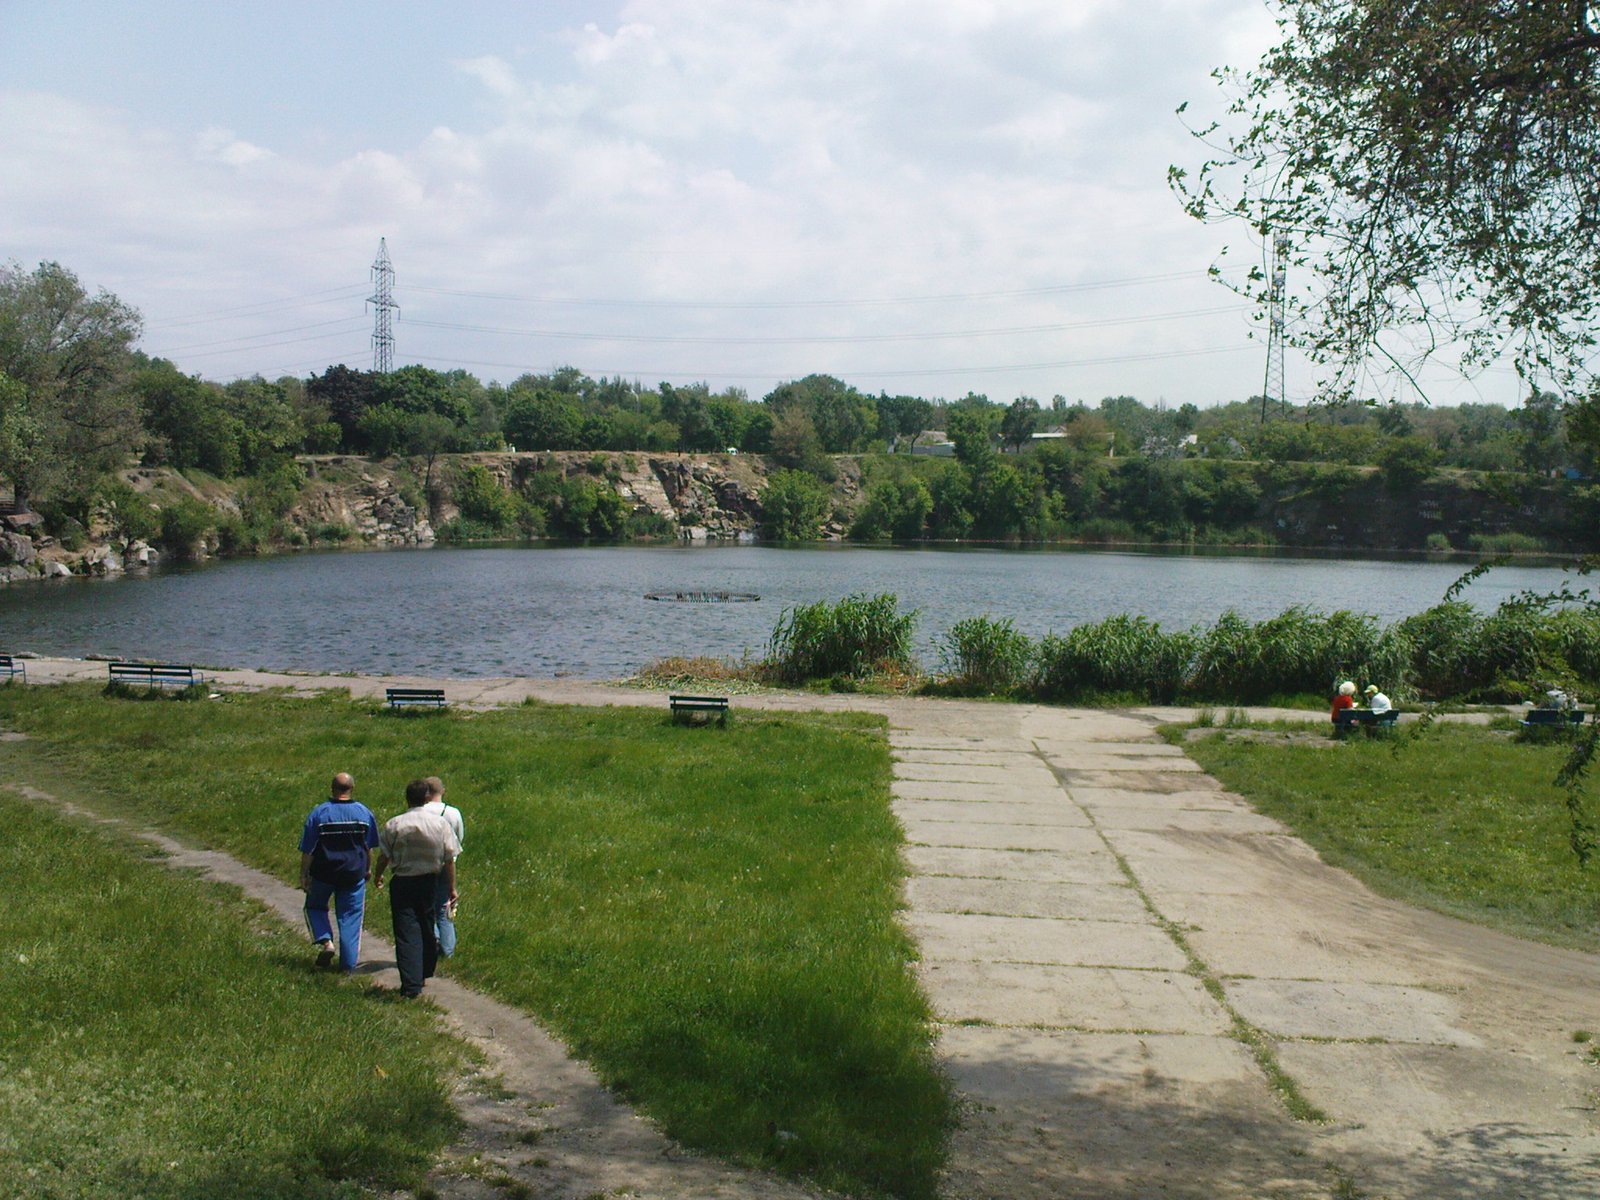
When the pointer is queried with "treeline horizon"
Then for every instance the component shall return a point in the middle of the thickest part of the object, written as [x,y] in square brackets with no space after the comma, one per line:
[230,428]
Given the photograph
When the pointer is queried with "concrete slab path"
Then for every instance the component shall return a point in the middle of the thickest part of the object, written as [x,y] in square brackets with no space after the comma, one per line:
[1135,970]
[1141,981]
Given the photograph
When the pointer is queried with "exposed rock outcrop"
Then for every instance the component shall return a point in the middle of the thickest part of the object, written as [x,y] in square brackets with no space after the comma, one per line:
[353,500]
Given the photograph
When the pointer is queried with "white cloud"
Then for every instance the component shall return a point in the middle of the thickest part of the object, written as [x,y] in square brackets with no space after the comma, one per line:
[726,151]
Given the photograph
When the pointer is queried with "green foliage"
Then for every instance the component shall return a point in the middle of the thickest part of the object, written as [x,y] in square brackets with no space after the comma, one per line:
[589,508]
[793,506]
[66,414]
[986,656]
[1431,163]
[843,419]
[1406,463]
[269,496]
[1513,653]
[184,523]
[1296,652]
[896,506]
[859,636]
[1120,656]
[132,517]
[157,1046]
[483,501]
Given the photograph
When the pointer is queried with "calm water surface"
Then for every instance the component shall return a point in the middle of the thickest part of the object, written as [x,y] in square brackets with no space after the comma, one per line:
[562,610]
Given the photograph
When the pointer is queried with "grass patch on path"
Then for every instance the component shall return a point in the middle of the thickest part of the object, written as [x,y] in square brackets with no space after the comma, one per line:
[164,1039]
[1459,819]
[707,915]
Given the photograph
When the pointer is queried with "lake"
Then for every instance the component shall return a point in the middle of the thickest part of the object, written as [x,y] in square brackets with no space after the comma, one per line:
[581,611]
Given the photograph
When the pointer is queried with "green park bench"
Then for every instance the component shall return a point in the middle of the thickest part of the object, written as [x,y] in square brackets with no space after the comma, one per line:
[1348,719]
[1553,718]
[12,667]
[689,708]
[412,697]
[154,675]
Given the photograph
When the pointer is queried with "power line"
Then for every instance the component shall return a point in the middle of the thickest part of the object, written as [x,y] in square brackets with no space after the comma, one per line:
[318,337]
[223,314]
[677,339]
[250,337]
[637,373]
[1057,289]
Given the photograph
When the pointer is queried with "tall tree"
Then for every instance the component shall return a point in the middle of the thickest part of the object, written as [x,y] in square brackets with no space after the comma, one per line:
[1433,163]
[70,352]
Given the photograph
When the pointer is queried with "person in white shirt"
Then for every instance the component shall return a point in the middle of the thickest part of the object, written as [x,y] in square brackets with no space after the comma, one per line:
[444,925]
[422,848]
[1376,700]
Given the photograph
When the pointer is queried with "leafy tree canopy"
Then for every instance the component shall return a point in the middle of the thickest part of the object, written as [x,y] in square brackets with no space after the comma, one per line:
[70,355]
[1433,163]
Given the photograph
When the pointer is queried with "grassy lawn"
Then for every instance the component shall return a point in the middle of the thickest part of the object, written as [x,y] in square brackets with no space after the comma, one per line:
[1461,819]
[707,915]
[163,1039]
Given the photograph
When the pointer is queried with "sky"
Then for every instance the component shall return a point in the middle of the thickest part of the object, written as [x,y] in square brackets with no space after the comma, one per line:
[929,197]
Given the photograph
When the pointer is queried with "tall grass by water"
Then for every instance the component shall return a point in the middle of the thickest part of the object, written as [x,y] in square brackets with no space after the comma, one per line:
[1450,652]
[706,915]
[163,1039]
[855,637]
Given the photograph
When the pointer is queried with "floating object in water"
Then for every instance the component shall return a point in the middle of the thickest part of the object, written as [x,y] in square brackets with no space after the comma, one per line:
[704,597]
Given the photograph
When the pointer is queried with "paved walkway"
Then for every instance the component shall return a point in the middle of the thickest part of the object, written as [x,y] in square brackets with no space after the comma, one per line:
[1136,975]
[1133,966]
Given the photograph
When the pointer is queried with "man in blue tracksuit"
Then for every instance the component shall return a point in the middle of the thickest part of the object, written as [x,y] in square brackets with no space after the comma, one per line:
[335,860]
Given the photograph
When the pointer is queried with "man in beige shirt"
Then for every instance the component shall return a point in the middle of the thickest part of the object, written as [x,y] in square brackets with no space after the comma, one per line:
[422,849]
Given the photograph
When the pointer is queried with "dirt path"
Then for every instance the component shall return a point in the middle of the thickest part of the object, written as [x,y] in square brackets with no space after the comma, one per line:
[1142,984]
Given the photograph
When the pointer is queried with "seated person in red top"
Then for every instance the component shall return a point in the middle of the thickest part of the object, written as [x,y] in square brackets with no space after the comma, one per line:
[1345,699]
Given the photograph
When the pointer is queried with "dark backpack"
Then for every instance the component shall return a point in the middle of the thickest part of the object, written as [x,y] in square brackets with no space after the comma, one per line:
[341,856]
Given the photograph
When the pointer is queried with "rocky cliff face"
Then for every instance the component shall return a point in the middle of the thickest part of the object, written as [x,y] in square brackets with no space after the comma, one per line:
[351,500]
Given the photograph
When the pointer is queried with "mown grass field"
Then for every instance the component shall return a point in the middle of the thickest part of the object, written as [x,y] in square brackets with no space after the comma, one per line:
[1461,819]
[707,915]
[163,1038]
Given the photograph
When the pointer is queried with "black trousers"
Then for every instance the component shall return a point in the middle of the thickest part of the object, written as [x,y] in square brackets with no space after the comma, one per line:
[416,947]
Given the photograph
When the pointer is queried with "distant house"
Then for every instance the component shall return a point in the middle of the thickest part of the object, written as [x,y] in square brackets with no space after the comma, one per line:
[938,445]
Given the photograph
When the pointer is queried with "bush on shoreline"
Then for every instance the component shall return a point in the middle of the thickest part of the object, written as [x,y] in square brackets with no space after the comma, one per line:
[1451,652]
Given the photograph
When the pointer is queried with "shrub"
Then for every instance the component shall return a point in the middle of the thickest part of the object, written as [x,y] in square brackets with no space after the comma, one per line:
[460,529]
[184,522]
[858,636]
[793,506]
[483,502]
[894,508]
[1504,657]
[235,539]
[1505,543]
[132,517]
[1121,655]
[985,655]
[587,508]
[1296,652]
